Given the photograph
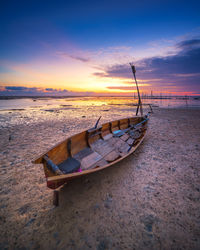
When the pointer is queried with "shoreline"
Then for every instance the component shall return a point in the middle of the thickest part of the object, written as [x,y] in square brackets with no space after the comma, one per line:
[183,97]
[149,200]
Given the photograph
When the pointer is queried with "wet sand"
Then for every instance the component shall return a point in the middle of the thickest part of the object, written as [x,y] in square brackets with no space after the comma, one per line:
[150,200]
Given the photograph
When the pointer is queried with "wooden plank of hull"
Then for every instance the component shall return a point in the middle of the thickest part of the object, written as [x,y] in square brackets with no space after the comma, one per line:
[100,141]
[124,123]
[78,142]
[115,125]
[134,120]
[106,129]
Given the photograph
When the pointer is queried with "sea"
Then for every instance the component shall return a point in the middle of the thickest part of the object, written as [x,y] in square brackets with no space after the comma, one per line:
[33,110]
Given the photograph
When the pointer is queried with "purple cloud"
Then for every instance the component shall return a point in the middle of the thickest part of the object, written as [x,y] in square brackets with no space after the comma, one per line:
[181,70]
[82,59]
[16,88]
[189,43]
[34,91]
[78,58]
[49,89]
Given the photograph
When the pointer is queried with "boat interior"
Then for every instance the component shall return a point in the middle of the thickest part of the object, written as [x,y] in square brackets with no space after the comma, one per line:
[95,147]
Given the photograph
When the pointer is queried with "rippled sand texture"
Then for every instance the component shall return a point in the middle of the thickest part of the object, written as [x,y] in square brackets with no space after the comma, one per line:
[150,200]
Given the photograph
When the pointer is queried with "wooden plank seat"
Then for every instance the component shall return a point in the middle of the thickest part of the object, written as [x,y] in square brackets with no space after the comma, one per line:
[69,166]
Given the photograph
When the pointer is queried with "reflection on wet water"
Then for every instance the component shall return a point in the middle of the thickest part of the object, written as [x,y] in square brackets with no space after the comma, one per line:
[26,111]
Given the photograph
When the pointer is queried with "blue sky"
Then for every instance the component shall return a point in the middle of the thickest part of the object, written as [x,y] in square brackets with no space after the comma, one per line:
[93,37]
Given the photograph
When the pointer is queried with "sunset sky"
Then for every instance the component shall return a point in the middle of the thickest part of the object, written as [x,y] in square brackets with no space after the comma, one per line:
[84,47]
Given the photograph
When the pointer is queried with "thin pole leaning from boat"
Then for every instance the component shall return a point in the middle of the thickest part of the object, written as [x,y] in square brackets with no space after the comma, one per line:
[97,122]
[139,99]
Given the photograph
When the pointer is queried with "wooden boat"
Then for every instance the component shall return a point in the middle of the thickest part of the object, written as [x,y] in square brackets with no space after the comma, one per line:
[92,150]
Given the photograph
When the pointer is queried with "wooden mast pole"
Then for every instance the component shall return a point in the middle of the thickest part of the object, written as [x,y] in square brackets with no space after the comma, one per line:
[139,98]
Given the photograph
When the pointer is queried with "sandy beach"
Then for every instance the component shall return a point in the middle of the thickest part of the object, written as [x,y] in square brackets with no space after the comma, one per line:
[150,200]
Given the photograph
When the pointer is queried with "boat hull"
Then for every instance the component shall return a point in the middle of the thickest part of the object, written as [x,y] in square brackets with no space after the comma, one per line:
[95,149]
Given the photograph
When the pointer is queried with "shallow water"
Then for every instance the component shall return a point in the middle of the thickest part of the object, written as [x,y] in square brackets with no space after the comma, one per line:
[28,110]
[38,103]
